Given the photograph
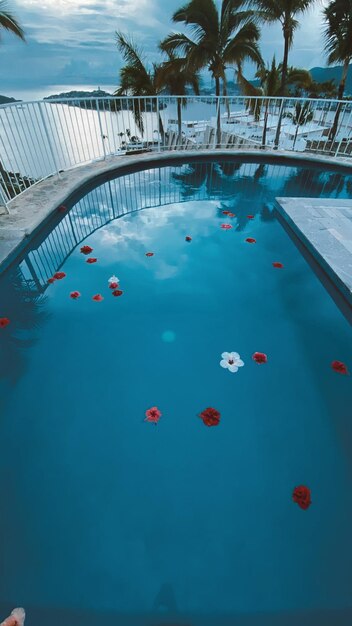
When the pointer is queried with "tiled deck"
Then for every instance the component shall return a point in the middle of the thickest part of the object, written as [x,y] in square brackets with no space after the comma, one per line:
[324,227]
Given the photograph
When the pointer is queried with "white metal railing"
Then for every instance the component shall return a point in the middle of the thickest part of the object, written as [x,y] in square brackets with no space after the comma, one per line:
[42,138]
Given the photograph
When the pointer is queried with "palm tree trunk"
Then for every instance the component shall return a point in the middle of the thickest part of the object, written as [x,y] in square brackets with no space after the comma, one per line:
[340,93]
[218,113]
[179,120]
[295,137]
[285,61]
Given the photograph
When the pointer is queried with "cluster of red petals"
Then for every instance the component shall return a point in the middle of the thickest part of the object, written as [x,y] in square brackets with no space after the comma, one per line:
[117,292]
[226,226]
[4,321]
[62,208]
[74,295]
[86,250]
[153,415]
[149,254]
[188,238]
[339,367]
[278,265]
[250,217]
[210,416]
[260,357]
[51,280]
[97,298]
[91,260]
[225,212]
[251,240]
[301,496]
[113,285]
[59,275]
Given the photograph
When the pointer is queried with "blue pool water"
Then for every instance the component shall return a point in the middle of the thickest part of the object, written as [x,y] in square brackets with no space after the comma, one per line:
[104,514]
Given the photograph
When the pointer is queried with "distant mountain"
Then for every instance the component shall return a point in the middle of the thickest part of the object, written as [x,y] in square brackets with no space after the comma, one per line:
[97,93]
[322,74]
[5,100]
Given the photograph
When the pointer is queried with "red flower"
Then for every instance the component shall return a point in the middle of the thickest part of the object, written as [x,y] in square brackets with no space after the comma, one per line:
[59,275]
[51,280]
[188,238]
[250,217]
[210,417]
[278,265]
[153,415]
[91,260]
[74,295]
[117,292]
[225,212]
[339,367]
[4,321]
[301,496]
[113,285]
[62,208]
[260,357]
[232,214]
[98,297]
[86,250]
[251,240]
[149,254]
[226,226]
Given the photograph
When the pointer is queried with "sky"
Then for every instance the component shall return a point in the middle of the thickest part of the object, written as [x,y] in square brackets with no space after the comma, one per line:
[72,42]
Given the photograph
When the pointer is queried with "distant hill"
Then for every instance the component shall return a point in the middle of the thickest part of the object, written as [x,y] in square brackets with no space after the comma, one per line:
[5,100]
[322,74]
[97,93]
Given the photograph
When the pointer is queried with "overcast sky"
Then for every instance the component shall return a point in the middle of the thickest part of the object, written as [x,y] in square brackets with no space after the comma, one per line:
[72,41]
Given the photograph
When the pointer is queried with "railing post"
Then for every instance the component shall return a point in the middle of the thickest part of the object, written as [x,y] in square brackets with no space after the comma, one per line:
[100,128]
[158,120]
[47,134]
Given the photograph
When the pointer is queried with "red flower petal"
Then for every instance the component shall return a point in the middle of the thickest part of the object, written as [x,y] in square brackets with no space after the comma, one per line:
[86,250]
[62,208]
[232,214]
[188,238]
[149,254]
[59,275]
[339,367]
[251,240]
[113,285]
[4,321]
[210,416]
[153,415]
[250,217]
[226,226]
[260,357]
[91,260]
[98,297]
[225,212]
[278,265]
[51,280]
[74,295]
[117,292]
[301,496]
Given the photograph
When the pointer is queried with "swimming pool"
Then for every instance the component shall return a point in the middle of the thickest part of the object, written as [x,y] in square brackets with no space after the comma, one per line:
[104,513]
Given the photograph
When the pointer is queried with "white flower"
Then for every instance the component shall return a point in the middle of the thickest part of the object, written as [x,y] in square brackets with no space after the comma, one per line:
[231,361]
[113,279]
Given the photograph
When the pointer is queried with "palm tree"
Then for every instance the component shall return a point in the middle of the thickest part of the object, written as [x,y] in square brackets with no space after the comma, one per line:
[338,45]
[301,115]
[219,38]
[9,22]
[285,12]
[175,76]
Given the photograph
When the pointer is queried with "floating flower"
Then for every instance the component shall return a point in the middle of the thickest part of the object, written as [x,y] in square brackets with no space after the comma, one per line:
[231,361]
[260,357]
[225,212]
[339,367]
[251,240]
[226,226]
[301,496]
[232,215]
[188,238]
[113,285]
[91,260]
[86,250]
[98,297]
[278,265]
[59,275]
[51,280]
[113,280]
[4,321]
[153,415]
[74,295]
[250,217]
[210,417]
[149,254]
[117,292]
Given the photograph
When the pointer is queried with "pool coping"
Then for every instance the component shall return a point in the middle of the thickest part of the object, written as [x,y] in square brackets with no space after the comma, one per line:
[19,225]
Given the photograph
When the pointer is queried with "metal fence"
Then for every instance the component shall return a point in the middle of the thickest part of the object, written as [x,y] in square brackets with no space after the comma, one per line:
[42,138]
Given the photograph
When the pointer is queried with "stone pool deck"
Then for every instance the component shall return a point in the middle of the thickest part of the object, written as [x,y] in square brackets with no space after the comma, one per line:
[324,227]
